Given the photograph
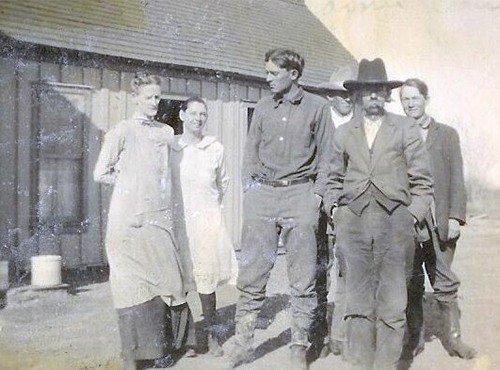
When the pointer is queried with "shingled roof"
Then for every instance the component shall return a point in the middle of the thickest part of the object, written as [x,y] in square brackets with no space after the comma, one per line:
[222,35]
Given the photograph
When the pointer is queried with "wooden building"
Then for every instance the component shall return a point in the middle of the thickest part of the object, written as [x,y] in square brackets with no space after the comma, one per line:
[65,70]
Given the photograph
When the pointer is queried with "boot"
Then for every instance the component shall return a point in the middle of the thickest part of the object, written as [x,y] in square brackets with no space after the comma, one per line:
[452,340]
[298,357]
[242,351]
[214,348]
[210,329]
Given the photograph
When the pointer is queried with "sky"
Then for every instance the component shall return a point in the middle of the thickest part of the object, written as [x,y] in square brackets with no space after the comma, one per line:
[450,44]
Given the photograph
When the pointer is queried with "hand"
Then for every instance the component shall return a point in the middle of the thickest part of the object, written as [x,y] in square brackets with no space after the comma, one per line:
[453,228]
[319,200]
[334,210]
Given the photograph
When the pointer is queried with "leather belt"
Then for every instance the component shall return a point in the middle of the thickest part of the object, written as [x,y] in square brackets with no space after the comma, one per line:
[282,183]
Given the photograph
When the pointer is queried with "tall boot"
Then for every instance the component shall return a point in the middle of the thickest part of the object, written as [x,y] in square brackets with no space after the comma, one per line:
[242,351]
[452,340]
[210,329]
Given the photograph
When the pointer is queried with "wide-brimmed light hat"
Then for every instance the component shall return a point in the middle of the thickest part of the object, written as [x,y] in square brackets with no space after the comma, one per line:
[337,79]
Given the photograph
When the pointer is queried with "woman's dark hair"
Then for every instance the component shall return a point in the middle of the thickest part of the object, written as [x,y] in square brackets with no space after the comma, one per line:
[190,100]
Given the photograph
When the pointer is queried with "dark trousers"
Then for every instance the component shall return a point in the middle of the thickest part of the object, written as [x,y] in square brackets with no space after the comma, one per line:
[322,317]
[329,321]
[437,260]
[264,208]
[375,246]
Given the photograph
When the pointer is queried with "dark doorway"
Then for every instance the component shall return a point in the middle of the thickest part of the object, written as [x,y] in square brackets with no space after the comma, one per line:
[168,112]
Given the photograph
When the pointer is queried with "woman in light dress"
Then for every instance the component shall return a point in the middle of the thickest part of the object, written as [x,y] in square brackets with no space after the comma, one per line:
[146,275]
[200,181]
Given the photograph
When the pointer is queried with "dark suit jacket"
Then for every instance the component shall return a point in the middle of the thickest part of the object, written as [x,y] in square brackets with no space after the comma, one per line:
[443,145]
[397,165]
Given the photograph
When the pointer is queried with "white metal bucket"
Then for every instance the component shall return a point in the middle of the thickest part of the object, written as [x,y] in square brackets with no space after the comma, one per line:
[46,270]
[4,275]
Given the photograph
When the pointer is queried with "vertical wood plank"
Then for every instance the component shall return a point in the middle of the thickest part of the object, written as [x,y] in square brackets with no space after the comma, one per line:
[92,252]
[125,80]
[253,94]
[8,155]
[117,98]
[70,250]
[50,72]
[237,92]
[49,243]
[214,120]
[28,72]
[209,90]
[223,91]
[70,245]
[193,87]
[71,74]
[177,86]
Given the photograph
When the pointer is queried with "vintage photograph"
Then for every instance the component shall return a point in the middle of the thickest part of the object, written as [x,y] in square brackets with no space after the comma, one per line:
[249,184]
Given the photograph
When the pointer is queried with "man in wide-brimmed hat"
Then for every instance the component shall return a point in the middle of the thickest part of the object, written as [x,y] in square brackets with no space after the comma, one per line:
[339,97]
[328,329]
[380,187]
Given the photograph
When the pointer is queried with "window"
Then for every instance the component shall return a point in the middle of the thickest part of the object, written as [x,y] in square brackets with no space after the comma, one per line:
[168,112]
[250,111]
[63,112]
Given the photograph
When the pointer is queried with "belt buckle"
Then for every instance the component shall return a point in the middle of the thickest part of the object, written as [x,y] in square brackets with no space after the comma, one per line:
[283,183]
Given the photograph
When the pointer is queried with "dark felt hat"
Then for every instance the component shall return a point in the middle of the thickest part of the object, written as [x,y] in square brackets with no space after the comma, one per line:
[371,73]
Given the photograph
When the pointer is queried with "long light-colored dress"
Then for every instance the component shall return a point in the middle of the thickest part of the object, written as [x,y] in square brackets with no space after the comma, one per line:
[144,261]
[199,183]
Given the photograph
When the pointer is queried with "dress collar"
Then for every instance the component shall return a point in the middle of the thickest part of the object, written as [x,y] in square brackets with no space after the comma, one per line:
[179,144]
[143,120]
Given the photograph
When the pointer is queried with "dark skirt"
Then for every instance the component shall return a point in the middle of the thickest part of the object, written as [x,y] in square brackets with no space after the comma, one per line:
[152,329]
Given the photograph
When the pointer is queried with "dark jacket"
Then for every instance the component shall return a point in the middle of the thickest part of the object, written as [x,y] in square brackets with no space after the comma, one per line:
[397,166]
[443,146]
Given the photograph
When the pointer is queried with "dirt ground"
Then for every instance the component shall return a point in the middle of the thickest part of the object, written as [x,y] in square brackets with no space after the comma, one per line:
[57,330]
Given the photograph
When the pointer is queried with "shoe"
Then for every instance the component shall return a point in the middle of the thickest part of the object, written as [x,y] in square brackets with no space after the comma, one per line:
[404,364]
[163,362]
[455,347]
[325,351]
[335,347]
[240,355]
[452,340]
[190,353]
[214,347]
[298,357]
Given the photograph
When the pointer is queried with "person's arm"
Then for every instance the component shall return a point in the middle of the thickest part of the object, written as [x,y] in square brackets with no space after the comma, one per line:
[338,168]
[323,135]
[105,170]
[419,175]
[222,177]
[251,151]
[457,193]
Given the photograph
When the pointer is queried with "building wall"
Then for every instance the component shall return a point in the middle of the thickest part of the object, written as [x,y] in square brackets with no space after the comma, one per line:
[106,101]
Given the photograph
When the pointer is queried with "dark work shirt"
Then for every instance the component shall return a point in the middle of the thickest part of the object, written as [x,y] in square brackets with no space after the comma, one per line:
[289,139]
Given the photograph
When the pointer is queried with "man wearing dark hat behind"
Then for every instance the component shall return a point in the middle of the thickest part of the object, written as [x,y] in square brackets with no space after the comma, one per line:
[328,329]
[379,188]
[443,145]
